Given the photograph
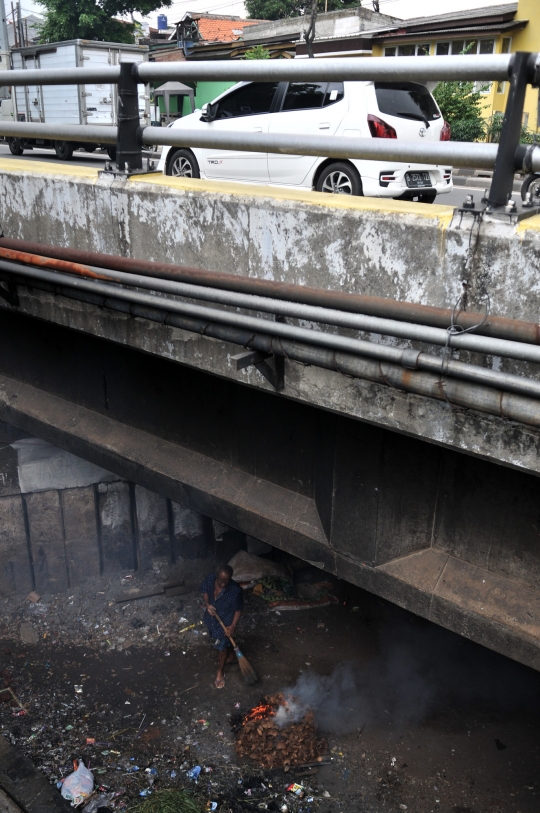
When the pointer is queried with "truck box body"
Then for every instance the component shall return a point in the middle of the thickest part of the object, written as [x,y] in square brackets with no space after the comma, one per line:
[75,104]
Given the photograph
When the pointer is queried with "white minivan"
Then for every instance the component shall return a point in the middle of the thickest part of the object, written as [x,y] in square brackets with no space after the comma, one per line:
[404,110]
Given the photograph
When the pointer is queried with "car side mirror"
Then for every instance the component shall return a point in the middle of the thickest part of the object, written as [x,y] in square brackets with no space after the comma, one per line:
[209,112]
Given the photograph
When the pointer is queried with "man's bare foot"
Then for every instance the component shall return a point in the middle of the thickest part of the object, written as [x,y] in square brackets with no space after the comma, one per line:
[219,682]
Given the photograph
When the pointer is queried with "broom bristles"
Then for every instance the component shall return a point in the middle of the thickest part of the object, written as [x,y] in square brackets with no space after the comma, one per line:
[248,672]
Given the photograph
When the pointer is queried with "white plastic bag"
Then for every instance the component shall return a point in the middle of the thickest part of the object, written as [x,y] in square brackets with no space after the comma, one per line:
[78,785]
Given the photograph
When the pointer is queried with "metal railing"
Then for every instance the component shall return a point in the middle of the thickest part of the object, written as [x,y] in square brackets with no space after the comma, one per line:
[507,157]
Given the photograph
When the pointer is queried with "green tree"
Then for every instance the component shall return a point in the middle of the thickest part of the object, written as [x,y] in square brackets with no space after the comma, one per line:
[461,106]
[279,9]
[257,52]
[92,19]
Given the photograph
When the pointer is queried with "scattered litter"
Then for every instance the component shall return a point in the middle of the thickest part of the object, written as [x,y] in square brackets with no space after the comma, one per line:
[211,805]
[298,790]
[9,690]
[33,597]
[78,785]
[78,689]
[194,773]
[100,801]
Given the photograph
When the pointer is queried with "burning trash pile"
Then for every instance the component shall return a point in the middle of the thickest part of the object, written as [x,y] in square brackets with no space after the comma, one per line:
[279,733]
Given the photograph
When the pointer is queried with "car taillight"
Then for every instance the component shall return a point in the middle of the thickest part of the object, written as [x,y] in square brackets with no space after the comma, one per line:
[379,128]
[446,132]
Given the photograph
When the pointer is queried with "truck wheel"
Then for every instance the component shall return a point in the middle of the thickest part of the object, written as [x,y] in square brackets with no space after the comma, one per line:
[111,152]
[15,146]
[64,150]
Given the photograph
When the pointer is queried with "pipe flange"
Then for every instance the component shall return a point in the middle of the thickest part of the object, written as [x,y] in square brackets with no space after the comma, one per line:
[409,359]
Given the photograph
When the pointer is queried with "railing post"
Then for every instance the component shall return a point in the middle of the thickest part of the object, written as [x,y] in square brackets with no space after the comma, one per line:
[128,146]
[505,163]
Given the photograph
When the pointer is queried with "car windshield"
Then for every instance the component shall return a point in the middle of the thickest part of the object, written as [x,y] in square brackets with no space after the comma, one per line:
[406,100]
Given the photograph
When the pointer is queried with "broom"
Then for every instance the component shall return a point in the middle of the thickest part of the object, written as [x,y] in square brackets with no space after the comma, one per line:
[248,672]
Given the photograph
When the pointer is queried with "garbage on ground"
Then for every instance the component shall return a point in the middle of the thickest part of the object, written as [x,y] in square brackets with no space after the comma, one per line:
[275,584]
[100,801]
[194,773]
[78,785]
[33,597]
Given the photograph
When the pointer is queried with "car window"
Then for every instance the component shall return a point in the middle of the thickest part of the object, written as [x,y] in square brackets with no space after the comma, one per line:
[312,95]
[406,100]
[249,100]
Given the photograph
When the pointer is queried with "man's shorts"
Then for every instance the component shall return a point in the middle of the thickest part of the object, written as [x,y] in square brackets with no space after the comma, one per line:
[222,644]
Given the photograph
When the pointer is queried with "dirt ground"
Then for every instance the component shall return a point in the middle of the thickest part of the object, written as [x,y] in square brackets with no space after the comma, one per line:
[425,721]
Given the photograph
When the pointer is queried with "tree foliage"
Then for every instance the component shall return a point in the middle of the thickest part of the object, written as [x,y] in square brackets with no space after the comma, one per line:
[92,19]
[461,106]
[257,52]
[280,9]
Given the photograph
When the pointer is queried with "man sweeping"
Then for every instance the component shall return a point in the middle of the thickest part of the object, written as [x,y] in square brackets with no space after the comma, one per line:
[223,597]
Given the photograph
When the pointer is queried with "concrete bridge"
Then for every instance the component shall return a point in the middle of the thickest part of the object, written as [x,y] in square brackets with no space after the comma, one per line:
[401,490]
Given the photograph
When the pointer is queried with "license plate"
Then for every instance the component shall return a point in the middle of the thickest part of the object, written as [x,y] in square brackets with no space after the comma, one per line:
[417,180]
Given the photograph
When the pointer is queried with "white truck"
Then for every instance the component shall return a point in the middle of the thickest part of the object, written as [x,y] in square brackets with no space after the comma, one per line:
[70,104]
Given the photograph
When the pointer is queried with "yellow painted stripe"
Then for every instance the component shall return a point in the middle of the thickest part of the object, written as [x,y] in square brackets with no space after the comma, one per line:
[382,205]
[529,224]
[18,165]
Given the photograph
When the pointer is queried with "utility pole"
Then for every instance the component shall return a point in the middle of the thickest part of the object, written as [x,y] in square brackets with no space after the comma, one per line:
[5,55]
[309,35]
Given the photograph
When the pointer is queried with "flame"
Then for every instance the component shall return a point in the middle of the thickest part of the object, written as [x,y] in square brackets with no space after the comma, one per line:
[261,712]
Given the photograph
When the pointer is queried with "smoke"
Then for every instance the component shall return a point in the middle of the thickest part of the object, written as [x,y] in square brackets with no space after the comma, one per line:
[332,698]
[419,669]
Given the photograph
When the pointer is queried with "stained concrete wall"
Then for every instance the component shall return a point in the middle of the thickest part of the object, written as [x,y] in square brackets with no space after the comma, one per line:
[54,538]
[396,249]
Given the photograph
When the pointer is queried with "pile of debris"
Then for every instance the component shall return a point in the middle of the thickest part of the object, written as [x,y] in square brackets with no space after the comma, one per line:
[260,738]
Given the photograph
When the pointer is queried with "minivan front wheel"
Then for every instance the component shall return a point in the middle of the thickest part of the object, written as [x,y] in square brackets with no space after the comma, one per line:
[339,178]
[183,164]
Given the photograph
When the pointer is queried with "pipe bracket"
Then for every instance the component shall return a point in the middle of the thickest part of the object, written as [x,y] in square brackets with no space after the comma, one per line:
[254,358]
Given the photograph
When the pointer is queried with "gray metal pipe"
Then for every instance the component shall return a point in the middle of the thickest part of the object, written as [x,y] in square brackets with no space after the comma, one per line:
[448,153]
[487,345]
[60,76]
[374,69]
[103,134]
[471,396]
[402,357]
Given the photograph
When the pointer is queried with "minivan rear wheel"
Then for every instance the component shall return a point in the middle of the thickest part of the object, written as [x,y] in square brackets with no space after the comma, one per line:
[339,178]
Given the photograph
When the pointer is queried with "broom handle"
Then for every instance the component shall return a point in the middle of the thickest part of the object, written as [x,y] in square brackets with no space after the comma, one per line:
[225,630]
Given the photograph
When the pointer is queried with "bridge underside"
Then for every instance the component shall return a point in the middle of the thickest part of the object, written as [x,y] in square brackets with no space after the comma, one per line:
[452,538]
